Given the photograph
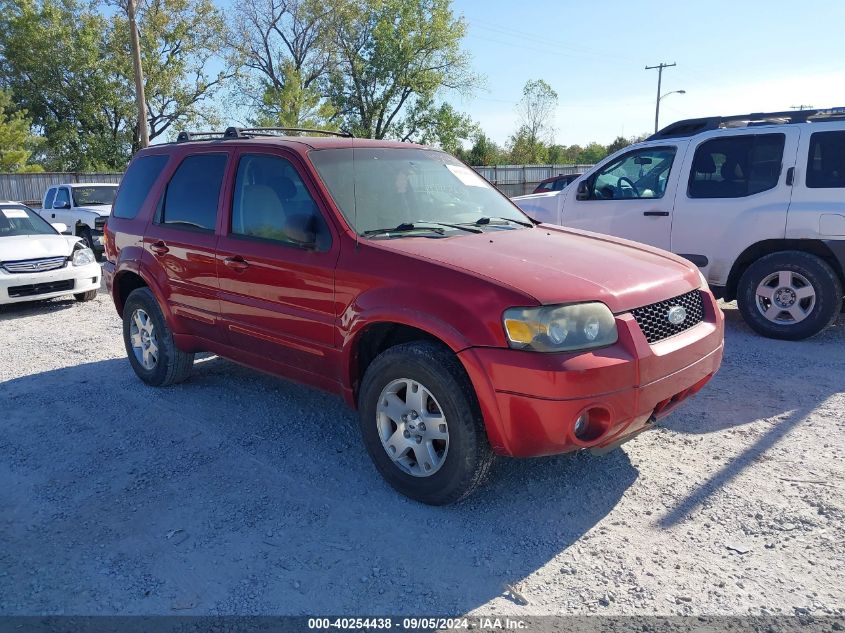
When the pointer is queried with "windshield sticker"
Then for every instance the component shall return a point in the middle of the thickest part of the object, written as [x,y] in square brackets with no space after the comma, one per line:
[15,213]
[466,176]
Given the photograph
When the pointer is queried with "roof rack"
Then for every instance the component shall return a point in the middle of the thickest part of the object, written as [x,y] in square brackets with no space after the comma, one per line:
[183,137]
[252,132]
[691,127]
[242,132]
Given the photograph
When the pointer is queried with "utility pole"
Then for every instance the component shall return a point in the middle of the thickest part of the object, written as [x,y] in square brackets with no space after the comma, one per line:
[659,68]
[143,133]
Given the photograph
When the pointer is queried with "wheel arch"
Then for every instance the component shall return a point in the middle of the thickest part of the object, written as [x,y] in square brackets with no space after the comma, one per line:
[766,247]
[377,336]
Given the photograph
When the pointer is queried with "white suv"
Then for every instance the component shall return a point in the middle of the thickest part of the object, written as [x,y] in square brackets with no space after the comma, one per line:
[756,201]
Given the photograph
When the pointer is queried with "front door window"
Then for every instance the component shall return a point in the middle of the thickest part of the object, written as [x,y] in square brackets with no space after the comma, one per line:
[638,174]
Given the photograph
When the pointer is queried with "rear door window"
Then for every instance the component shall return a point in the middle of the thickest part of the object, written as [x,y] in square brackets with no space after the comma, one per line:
[193,192]
[136,184]
[736,166]
[826,160]
[48,199]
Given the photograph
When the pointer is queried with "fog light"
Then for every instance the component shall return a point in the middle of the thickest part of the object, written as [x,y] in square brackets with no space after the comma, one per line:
[591,425]
[580,426]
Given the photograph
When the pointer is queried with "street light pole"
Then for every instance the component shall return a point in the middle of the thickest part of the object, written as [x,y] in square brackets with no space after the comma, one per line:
[659,68]
[143,133]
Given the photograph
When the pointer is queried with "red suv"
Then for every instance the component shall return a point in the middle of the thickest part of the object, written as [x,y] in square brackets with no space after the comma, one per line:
[393,275]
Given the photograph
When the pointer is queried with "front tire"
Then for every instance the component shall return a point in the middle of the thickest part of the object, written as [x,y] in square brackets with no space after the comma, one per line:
[421,423]
[83,297]
[149,342]
[789,295]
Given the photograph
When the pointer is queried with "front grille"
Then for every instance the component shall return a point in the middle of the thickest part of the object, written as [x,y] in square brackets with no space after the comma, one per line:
[32,290]
[35,265]
[654,319]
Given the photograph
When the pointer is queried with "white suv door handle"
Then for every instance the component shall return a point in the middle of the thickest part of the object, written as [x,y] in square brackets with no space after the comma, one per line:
[656,213]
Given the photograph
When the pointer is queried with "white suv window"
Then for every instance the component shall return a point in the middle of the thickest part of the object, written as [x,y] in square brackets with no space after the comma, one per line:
[736,166]
[826,160]
[638,174]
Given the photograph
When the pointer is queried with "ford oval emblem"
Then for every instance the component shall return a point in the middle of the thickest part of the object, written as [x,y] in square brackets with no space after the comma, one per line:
[676,315]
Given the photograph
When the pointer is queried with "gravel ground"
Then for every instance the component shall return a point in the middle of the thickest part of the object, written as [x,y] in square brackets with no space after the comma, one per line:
[236,492]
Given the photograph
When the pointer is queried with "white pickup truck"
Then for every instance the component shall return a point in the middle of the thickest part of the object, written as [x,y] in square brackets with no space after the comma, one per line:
[82,207]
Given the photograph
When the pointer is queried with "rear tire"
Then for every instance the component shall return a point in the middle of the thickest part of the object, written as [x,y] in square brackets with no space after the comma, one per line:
[460,460]
[790,295]
[82,297]
[149,342]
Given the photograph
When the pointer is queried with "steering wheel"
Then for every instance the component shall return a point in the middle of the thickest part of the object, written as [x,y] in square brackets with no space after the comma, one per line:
[631,186]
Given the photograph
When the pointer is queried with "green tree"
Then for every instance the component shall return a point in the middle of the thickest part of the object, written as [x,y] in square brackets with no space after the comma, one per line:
[52,59]
[536,112]
[432,124]
[180,39]
[285,51]
[394,59]
[16,142]
[483,151]
[591,154]
[525,148]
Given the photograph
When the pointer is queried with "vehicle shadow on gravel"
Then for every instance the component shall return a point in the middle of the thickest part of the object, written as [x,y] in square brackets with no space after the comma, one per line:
[35,308]
[236,492]
[809,374]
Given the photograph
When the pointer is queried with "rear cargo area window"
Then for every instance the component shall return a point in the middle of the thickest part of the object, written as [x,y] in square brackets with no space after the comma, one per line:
[137,182]
[193,192]
[826,160]
[736,166]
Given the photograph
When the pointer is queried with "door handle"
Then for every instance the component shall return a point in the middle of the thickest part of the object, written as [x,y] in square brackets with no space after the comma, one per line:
[236,263]
[656,213]
[159,248]
[790,176]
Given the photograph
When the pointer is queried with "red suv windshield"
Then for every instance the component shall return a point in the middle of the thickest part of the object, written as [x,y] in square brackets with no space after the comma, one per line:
[378,188]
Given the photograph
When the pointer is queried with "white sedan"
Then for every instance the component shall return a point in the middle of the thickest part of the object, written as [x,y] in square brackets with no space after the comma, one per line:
[38,262]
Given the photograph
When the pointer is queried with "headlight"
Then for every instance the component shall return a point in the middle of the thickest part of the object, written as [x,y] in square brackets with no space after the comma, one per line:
[83,256]
[560,328]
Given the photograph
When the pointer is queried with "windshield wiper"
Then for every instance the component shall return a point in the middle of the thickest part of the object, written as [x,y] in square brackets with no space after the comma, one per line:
[419,225]
[486,220]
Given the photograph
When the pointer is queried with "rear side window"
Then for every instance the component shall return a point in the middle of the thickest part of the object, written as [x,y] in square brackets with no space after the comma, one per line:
[736,166]
[137,182]
[48,199]
[826,160]
[193,193]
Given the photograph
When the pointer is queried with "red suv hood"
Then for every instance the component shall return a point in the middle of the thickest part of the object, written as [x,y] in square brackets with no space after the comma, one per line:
[553,265]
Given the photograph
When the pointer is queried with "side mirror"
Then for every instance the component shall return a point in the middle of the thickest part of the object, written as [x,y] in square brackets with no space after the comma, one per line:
[300,228]
[583,191]
[61,205]
[61,227]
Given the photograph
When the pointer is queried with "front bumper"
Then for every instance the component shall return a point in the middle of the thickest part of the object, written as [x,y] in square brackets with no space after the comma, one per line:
[530,401]
[70,279]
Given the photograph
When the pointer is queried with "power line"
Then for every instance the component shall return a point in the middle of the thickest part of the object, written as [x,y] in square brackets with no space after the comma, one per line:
[659,68]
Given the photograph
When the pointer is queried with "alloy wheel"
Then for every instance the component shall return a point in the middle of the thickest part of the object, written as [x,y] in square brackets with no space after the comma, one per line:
[785,297]
[143,337]
[412,427]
